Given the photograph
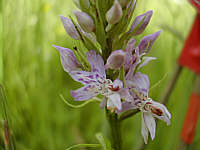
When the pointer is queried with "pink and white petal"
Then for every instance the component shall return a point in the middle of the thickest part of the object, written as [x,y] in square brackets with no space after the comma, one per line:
[130,46]
[141,80]
[127,106]
[96,62]
[147,42]
[150,123]
[117,84]
[136,61]
[114,100]
[124,93]
[84,93]
[68,59]
[146,60]
[165,116]
[132,68]
[84,77]
[144,131]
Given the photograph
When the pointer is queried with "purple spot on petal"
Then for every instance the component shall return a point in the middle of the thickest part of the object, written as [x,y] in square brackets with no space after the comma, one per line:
[95,70]
[87,82]
[97,76]
[91,76]
[80,79]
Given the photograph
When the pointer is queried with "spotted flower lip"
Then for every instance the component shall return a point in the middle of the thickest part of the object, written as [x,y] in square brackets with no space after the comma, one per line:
[138,86]
[68,59]
[95,83]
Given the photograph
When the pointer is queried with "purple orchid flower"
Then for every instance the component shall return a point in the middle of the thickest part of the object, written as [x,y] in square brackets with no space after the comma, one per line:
[95,83]
[138,86]
[135,56]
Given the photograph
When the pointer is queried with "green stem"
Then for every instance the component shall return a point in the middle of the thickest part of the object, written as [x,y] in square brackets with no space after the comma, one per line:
[115,129]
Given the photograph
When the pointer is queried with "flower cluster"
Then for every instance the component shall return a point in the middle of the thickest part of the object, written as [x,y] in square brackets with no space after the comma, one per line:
[110,67]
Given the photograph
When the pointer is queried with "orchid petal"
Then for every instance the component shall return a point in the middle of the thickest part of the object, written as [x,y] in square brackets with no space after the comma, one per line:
[84,93]
[129,58]
[135,61]
[96,62]
[144,131]
[127,106]
[68,59]
[150,123]
[139,82]
[164,115]
[83,77]
[117,84]
[124,93]
[147,42]
[146,60]
[70,28]
[114,100]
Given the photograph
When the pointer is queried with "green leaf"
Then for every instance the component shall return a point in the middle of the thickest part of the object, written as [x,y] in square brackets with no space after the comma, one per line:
[84,145]
[104,141]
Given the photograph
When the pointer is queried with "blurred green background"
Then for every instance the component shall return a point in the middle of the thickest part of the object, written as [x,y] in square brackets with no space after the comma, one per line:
[33,77]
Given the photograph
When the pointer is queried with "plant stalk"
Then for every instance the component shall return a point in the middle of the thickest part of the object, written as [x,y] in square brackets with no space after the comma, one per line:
[115,130]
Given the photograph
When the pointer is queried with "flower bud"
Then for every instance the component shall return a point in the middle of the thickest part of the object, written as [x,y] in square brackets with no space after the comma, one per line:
[70,28]
[114,14]
[77,3]
[85,21]
[115,60]
[140,23]
[68,59]
[124,3]
[147,42]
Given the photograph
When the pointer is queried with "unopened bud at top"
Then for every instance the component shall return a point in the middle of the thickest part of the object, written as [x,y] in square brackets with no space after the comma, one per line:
[85,21]
[70,28]
[115,13]
[124,3]
[140,23]
[68,59]
[115,60]
[82,4]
